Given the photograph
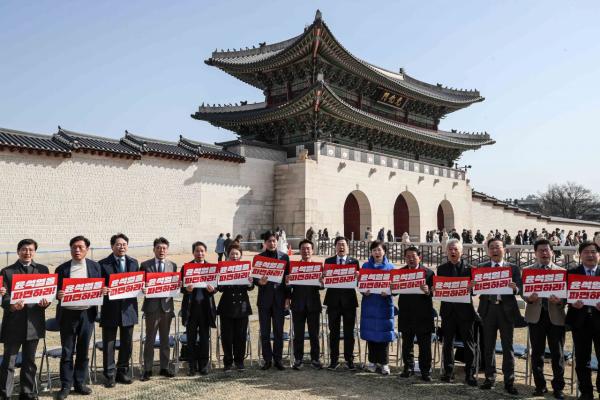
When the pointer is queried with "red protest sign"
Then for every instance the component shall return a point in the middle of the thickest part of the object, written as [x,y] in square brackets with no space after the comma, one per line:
[271,268]
[82,292]
[162,284]
[125,285]
[545,282]
[407,281]
[234,273]
[491,280]
[451,289]
[305,273]
[32,288]
[200,275]
[584,288]
[339,276]
[374,281]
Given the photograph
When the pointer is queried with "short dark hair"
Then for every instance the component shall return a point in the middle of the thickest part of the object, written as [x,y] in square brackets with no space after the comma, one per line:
[234,246]
[587,243]
[160,240]
[27,242]
[378,243]
[494,239]
[542,242]
[304,242]
[113,238]
[338,239]
[268,234]
[80,238]
[412,248]
[199,243]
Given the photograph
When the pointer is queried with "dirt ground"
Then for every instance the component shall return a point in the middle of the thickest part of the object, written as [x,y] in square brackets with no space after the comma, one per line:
[289,384]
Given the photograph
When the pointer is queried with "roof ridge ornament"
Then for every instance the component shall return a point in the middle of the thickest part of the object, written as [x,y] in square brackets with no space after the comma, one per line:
[318,15]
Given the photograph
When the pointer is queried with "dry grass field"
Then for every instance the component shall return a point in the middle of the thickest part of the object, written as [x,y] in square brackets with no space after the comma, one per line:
[289,384]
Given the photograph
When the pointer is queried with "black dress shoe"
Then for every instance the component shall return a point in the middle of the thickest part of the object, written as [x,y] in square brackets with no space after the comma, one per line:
[471,381]
[191,372]
[267,365]
[83,390]
[146,376]
[335,365]
[204,370]
[558,394]
[166,373]
[426,377]
[240,366]
[488,384]
[28,396]
[540,391]
[407,373]
[227,368]
[586,396]
[279,366]
[123,379]
[109,383]
[350,365]
[63,394]
[447,378]
[511,389]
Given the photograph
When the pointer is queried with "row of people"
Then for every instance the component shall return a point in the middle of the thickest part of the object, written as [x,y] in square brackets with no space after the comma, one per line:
[24,325]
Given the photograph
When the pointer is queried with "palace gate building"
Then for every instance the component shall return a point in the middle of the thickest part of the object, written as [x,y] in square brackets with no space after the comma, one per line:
[337,143]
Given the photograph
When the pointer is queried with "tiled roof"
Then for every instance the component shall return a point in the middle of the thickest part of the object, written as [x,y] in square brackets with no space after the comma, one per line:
[94,144]
[31,142]
[205,150]
[158,147]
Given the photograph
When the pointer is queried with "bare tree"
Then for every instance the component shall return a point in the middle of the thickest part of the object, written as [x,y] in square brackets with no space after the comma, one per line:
[570,200]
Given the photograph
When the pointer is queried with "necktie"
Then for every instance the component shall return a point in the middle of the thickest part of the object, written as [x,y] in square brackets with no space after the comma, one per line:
[122,264]
[545,300]
[498,296]
[161,266]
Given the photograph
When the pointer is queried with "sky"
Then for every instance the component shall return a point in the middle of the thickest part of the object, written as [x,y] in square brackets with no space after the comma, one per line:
[102,67]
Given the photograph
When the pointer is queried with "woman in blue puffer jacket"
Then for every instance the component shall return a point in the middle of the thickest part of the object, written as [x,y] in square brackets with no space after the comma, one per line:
[377,315]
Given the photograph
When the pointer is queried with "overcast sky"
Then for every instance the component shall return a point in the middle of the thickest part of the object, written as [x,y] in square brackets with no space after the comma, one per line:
[102,67]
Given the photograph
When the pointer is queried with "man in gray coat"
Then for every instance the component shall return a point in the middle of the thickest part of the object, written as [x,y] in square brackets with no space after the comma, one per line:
[546,320]
[158,312]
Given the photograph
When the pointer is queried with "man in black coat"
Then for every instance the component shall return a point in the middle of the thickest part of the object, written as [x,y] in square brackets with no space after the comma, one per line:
[415,318]
[500,313]
[272,302]
[341,303]
[198,315]
[76,323]
[585,323]
[117,314]
[306,310]
[457,318]
[23,325]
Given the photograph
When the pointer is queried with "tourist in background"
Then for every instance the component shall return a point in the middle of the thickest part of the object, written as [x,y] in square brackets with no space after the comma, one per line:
[227,242]
[198,315]
[377,315]
[390,237]
[234,309]
[220,247]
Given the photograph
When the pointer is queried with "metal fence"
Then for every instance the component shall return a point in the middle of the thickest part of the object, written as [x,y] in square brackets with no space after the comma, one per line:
[433,254]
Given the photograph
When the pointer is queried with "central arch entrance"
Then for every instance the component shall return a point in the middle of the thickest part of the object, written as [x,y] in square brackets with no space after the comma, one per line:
[445,216]
[407,217]
[357,215]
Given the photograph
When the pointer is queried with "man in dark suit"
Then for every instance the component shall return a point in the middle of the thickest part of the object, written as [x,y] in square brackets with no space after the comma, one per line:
[117,314]
[306,310]
[457,318]
[500,313]
[585,323]
[23,325]
[272,302]
[198,315]
[546,321]
[415,318]
[158,313]
[76,323]
[341,303]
